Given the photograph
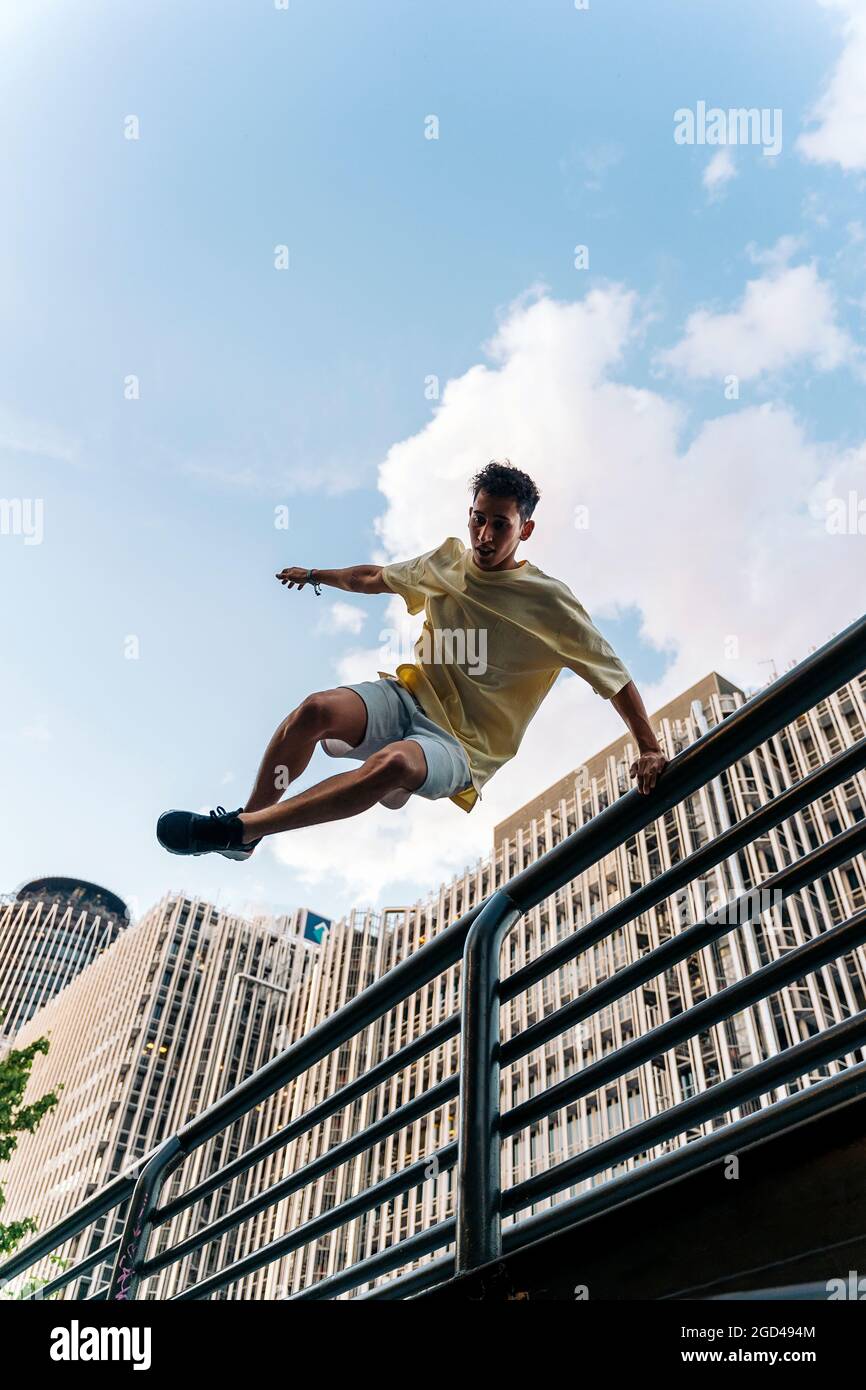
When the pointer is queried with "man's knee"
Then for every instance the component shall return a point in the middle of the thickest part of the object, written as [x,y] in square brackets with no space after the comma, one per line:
[313,713]
[339,713]
[397,765]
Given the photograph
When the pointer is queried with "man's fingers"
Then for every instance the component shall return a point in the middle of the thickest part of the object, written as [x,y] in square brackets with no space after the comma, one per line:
[291,577]
[647,775]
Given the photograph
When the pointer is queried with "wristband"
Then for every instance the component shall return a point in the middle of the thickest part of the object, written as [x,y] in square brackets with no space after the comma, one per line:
[317,587]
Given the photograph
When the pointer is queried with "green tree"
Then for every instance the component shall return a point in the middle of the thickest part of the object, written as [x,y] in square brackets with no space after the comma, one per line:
[32,1286]
[17,1118]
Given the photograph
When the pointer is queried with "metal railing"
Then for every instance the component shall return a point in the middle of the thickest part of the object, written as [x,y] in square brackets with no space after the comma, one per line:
[476,939]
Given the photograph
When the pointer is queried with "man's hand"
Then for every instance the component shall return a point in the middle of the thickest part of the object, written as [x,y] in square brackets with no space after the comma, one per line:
[648,768]
[294,575]
[651,761]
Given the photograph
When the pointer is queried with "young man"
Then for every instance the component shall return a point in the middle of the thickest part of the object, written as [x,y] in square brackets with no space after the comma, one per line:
[497,632]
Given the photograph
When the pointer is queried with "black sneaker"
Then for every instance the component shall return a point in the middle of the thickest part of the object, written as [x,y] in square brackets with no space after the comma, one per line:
[186,832]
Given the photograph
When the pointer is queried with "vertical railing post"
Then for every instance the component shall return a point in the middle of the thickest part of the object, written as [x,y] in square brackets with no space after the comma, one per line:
[137,1227]
[479,1196]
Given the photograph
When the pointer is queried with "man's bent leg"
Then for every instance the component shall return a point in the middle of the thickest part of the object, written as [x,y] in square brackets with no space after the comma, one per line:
[400,764]
[339,713]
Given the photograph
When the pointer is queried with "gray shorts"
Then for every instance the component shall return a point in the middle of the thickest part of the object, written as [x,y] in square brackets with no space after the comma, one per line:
[393,713]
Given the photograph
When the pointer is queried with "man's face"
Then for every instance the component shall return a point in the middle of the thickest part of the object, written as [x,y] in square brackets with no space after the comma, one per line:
[495,531]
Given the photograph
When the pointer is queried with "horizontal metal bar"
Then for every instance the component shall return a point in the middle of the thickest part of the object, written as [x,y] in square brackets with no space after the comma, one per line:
[844,1088]
[394,1257]
[800,961]
[831,1045]
[354,1090]
[789,1293]
[110,1196]
[367,1007]
[416,1281]
[382,1129]
[320,1225]
[686,943]
[428,964]
[846,764]
[69,1275]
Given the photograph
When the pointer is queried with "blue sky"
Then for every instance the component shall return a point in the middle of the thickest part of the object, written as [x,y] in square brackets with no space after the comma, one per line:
[408,258]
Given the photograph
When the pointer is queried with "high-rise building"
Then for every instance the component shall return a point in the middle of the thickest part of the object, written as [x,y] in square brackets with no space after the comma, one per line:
[189,1002]
[183,1006]
[50,930]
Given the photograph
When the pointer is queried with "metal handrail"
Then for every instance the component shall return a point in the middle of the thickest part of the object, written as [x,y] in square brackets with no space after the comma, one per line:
[479,1210]
[477,937]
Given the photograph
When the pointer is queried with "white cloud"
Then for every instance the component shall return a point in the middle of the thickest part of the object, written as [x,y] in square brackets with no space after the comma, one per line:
[720,170]
[361,664]
[777,255]
[715,541]
[342,617]
[840,113]
[360,860]
[784,317]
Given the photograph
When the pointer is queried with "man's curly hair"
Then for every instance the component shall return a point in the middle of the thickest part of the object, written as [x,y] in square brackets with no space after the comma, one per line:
[502,480]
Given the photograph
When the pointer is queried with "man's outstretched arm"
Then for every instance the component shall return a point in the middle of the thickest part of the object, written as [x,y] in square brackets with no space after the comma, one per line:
[357,579]
[651,761]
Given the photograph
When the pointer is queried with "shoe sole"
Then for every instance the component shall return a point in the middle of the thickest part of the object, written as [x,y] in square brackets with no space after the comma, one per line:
[198,853]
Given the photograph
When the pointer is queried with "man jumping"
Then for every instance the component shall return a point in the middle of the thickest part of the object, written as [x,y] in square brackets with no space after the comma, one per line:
[443,724]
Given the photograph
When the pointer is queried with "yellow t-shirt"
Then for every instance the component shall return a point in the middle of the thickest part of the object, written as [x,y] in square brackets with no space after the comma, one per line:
[492,645]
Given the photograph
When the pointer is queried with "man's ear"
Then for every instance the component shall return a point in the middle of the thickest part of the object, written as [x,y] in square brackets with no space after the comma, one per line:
[527,529]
